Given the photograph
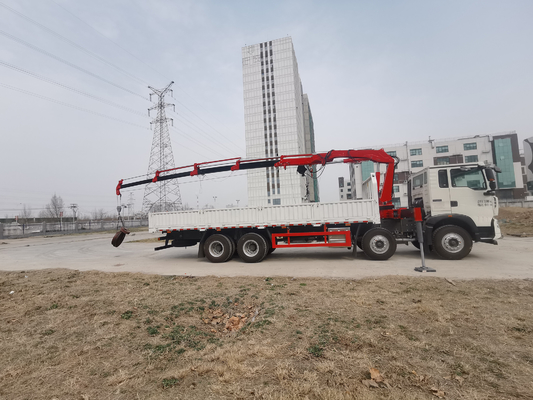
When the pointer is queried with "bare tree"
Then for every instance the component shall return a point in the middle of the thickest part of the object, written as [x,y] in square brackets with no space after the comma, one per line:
[54,208]
[99,214]
[25,213]
[83,216]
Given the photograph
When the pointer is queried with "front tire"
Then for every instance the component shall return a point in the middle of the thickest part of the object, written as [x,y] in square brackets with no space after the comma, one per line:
[379,244]
[452,242]
[252,247]
[218,248]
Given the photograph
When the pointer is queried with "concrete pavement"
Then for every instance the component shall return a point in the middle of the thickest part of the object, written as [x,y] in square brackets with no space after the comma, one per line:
[513,258]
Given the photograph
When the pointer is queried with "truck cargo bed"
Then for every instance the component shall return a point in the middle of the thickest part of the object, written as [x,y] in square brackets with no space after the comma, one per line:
[365,210]
[260,217]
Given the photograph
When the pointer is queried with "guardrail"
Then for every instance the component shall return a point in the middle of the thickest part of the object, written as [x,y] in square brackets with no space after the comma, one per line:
[16,230]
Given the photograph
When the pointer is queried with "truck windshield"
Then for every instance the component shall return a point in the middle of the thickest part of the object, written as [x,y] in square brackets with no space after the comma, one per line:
[472,179]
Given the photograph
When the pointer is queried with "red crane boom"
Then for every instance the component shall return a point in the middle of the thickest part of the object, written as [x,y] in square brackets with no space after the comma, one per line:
[235,164]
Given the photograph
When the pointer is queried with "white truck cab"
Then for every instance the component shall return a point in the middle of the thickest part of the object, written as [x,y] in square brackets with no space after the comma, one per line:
[459,206]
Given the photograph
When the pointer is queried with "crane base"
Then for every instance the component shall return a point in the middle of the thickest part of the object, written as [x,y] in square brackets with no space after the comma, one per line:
[425,269]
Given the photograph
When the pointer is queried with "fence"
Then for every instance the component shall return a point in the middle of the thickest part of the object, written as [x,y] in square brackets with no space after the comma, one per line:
[15,230]
[516,203]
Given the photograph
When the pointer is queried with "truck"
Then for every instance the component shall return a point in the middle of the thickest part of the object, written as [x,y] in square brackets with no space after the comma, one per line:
[450,207]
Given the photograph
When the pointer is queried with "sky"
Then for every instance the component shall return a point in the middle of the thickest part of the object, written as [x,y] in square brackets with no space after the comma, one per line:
[74,79]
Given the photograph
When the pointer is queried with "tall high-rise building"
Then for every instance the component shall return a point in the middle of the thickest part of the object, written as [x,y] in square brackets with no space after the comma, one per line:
[278,121]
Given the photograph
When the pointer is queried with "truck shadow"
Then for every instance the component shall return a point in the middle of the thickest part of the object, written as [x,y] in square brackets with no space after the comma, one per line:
[341,254]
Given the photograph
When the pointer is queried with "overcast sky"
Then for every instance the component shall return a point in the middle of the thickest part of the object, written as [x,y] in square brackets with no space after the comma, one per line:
[74,79]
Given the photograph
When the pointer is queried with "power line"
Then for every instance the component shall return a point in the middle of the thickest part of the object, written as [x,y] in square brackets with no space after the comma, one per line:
[149,66]
[185,147]
[79,47]
[204,145]
[79,68]
[200,118]
[48,80]
[199,130]
[92,74]
[69,105]
[115,43]
[31,46]
[197,102]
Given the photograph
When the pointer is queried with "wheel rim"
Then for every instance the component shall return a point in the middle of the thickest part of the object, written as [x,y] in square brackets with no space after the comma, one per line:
[379,244]
[250,248]
[453,243]
[216,248]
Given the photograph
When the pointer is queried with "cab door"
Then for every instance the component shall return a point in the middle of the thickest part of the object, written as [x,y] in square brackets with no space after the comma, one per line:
[440,192]
[467,195]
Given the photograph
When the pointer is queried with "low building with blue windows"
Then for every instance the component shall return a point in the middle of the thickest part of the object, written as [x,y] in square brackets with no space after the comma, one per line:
[501,149]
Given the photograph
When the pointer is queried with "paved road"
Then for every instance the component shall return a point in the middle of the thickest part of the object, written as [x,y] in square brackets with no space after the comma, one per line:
[513,258]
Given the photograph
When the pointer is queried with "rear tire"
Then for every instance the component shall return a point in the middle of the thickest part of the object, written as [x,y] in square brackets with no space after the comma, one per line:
[233,249]
[218,248]
[252,247]
[379,244]
[452,242]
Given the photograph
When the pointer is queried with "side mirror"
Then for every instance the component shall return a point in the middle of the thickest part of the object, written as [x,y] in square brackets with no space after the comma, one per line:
[491,176]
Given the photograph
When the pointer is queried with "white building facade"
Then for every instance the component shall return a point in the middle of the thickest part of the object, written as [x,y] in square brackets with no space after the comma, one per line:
[500,149]
[278,121]
[345,189]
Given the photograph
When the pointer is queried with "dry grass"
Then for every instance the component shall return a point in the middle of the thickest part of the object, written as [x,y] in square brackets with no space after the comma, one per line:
[90,335]
[516,221]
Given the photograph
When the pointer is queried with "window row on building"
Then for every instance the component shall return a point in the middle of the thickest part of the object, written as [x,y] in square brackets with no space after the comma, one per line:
[438,149]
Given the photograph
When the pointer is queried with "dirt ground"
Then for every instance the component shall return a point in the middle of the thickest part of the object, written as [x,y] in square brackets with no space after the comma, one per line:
[516,221]
[67,334]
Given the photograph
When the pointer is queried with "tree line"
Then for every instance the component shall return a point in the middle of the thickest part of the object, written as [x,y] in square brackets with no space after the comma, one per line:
[55,209]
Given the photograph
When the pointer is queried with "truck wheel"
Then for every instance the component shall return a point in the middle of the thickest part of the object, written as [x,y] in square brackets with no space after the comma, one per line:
[252,247]
[233,247]
[218,248]
[452,242]
[379,244]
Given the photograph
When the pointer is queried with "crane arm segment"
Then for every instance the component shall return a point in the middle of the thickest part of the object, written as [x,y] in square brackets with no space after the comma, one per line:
[349,156]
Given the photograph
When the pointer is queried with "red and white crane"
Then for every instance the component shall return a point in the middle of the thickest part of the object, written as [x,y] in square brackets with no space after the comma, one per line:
[372,223]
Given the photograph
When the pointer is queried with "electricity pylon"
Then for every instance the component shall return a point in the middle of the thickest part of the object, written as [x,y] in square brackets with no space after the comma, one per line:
[161,195]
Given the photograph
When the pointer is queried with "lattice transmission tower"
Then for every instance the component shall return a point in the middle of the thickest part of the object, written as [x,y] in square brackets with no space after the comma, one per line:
[161,195]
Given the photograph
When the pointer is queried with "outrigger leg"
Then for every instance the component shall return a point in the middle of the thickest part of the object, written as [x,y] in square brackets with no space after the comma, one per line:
[420,235]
